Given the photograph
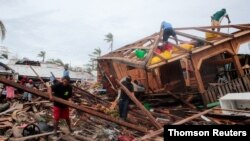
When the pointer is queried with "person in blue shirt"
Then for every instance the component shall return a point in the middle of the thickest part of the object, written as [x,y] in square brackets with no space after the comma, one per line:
[168,31]
[66,71]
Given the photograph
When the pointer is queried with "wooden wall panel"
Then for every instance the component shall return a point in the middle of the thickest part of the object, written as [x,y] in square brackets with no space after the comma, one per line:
[172,76]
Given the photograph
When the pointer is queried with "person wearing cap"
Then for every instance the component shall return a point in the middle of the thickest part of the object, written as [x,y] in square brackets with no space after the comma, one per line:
[218,17]
[167,32]
[124,99]
[61,90]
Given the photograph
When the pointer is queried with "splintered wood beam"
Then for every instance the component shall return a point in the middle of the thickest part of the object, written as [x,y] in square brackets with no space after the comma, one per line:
[214,32]
[193,117]
[242,27]
[150,53]
[136,47]
[73,105]
[221,26]
[139,105]
[193,37]
[125,61]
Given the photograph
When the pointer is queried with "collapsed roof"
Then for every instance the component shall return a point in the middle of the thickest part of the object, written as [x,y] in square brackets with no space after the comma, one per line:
[187,35]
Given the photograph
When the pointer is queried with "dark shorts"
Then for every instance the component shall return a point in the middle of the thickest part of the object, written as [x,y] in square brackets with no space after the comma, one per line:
[60,113]
[168,32]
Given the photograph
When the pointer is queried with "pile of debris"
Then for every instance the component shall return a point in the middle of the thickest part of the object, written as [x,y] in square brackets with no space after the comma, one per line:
[96,119]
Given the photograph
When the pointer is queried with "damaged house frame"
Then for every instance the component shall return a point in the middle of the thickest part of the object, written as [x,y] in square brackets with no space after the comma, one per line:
[194,67]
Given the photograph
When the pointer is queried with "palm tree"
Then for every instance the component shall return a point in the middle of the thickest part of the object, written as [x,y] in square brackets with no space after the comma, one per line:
[93,58]
[42,54]
[3,29]
[96,53]
[109,38]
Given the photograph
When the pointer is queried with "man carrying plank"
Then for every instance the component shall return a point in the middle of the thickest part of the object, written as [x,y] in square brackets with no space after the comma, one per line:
[60,111]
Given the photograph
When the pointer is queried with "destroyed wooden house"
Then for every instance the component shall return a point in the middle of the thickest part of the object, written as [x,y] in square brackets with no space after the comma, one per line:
[196,62]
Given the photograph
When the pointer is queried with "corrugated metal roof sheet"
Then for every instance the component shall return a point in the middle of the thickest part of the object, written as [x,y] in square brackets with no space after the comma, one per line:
[45,69]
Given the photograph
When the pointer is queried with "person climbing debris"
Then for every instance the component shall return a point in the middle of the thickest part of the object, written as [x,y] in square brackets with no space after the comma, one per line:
[217,18]
[167,32]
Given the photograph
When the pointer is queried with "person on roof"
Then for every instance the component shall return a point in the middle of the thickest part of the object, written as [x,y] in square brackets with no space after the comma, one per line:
[167,32]
[218,17]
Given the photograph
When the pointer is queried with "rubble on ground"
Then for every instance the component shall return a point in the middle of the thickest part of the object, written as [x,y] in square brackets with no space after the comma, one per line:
[22,120]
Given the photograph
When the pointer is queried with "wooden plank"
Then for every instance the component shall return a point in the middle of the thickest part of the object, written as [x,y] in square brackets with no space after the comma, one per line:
[221,26]
[233,87]
[237,64]
[238,80]
[193,37]
[211,98]
[228,76]
[139,105]
[130,48]
[242,85]
[215,94]
[242,27]
[150,53]
[214,32]
[246,82]
[227,89]
[193,117]
[206,100]
[212,94]
[237,85]
[230,87]
[197,75]
[125,61]
[223,88]
[220,91]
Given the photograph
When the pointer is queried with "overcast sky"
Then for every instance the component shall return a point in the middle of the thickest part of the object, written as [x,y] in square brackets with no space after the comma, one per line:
[71,29]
